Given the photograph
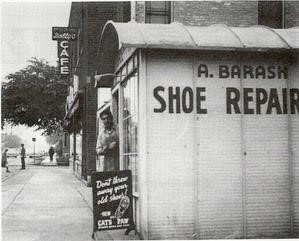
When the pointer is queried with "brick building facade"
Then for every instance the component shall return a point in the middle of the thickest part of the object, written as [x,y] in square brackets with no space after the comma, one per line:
[231,13]
[89,18]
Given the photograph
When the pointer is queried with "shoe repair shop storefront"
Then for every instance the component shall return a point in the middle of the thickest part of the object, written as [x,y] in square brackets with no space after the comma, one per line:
[209,126]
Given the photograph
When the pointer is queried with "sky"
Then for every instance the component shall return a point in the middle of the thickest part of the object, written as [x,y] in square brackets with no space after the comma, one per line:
[26,32]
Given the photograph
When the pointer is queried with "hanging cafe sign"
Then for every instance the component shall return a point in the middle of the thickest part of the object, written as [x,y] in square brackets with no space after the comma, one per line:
[63,35]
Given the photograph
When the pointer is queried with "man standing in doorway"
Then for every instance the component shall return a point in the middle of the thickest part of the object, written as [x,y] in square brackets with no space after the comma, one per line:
[23,153]
[108,142]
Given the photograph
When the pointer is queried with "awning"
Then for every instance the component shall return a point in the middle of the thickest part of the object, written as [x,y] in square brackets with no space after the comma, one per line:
[218,36]
[178,36]
[75,105]
[104,80]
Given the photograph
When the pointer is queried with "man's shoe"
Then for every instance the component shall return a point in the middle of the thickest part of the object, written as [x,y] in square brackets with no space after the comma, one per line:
[7,170]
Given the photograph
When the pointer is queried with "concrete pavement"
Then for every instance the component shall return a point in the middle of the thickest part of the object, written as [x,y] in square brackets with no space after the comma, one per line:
[49,203]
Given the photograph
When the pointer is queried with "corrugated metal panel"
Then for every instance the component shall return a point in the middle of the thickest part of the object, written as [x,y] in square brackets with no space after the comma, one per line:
[178,36]
[294,138]
[170,155]
[295,171]
[242,166]
[260,37]
[215,35]
[127,33]
[266,148]
[218,144]
[169,35]
[267,177]
[219,178]
[291,36]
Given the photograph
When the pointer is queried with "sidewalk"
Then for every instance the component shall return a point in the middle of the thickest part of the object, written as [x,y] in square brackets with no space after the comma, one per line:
[13,170]
[49,203]
[86,193]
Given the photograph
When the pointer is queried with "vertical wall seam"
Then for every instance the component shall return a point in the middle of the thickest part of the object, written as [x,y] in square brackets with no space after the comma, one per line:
[290,170]
[243,164]
[196,230]
[142,58]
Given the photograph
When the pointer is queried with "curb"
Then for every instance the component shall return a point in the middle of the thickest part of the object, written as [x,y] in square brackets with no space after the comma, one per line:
[12,174]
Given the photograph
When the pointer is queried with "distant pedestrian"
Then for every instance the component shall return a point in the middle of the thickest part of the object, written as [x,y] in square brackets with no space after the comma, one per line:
[51,153]
[4,160]
[23,153]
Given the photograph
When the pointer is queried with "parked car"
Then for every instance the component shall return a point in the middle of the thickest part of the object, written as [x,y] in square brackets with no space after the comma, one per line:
[12,155]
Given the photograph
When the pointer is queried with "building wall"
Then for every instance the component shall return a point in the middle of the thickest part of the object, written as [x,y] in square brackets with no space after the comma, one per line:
[97,16]
[140,11]
[294,151]
[170,150]
[143,222]
[90,18]
[219,175]
[66,145]
[90,129]
[231,13]
[291,14]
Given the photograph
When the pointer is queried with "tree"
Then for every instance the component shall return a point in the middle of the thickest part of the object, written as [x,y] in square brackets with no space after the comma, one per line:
[11,141]
[55,137]
[34,96]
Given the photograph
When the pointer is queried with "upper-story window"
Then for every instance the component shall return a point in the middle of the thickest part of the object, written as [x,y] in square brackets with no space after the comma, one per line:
[158,12]
[270,13]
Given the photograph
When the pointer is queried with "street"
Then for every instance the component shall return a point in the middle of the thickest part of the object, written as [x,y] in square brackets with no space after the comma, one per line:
[48,203]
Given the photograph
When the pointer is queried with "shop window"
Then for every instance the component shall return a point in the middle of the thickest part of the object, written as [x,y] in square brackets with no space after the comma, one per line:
[130,126]
[78,147]
[65,139]
[115,106]
[158,12]
[270,13]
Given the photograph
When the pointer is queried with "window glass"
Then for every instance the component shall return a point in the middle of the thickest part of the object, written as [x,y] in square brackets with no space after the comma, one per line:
[158,19]
[79,146]
[130,66]
[104,95]
[71,138]
[65,139]
[157,12]
[130,126]
[270,13]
